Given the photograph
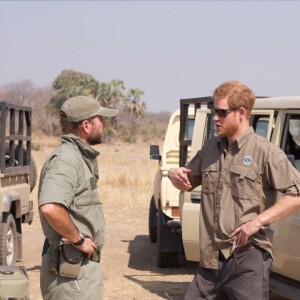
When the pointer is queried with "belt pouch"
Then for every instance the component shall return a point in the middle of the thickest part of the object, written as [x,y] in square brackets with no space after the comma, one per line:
[96,256]
[70,260]
[54,260]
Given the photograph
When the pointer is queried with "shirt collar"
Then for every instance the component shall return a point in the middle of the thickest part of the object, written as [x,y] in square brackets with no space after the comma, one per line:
[244,137]
[86,150]
[240,141]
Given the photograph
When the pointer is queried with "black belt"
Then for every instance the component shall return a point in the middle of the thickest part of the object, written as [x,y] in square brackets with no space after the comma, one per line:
[245,248]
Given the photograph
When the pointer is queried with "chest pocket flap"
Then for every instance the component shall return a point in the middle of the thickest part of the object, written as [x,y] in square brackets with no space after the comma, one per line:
[210,178]
[89,195]
[243,181]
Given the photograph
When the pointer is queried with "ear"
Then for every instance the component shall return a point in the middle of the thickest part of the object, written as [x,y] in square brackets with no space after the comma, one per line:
[86,127]
[243,112]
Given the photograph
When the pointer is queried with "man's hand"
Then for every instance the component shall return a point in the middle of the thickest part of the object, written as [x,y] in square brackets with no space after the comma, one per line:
[87,247]
[245,231]
[179,178]
[284,207]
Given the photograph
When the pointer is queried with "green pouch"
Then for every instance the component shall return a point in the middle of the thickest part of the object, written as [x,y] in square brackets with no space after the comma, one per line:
[70,259]
[14,283]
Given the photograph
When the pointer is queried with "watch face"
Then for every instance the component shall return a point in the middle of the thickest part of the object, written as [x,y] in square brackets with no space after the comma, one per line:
[81,241]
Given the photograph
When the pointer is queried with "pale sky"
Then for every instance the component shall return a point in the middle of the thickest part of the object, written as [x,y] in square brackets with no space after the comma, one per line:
[169,49]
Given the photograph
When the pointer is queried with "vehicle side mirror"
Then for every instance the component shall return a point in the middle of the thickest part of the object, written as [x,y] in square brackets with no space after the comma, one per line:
[154,152]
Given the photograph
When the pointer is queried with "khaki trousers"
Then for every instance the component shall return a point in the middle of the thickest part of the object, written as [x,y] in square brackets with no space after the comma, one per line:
[243,276]
[88,286]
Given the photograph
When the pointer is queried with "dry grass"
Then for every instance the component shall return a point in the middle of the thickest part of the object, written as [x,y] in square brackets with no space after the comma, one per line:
[126,171]
[126,174]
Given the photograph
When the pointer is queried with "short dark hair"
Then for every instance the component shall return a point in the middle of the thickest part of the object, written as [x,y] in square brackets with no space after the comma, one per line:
[68,127]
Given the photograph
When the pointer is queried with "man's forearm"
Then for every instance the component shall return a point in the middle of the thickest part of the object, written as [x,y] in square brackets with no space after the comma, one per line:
[58,218]
[285,206]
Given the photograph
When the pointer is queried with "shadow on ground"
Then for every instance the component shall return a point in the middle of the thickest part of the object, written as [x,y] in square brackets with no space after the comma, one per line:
[173,290]
[34,268]
[142,256]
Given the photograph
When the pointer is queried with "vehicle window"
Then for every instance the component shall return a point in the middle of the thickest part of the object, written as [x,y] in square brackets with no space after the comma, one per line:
[260,124]
[190,129]
[210,129]
[262,127]
[291,139]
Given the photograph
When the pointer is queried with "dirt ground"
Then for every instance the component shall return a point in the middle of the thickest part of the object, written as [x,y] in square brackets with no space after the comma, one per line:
[128,259]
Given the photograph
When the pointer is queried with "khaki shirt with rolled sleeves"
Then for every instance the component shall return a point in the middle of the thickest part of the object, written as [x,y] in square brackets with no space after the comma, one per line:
[238,183]
[69,177]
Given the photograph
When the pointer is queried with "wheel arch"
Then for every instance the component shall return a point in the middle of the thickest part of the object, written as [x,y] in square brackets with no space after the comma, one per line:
[12,204]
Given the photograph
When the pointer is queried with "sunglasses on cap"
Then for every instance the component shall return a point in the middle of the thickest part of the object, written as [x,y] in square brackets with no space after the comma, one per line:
[222,112]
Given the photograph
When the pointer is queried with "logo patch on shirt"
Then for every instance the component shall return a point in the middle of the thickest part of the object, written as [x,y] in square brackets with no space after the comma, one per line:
[248,160]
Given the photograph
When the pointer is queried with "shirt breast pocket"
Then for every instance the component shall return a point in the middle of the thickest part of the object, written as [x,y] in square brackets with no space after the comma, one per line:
[210,179]
[243,181]
[90,194]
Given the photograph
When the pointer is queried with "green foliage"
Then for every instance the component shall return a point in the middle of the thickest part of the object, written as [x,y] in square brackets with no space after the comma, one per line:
[111,94]
[136,107]
[71,83]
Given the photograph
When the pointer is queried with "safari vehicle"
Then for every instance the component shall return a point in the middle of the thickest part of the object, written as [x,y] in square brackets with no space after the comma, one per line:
[277,119]
[17,179]
[164,220]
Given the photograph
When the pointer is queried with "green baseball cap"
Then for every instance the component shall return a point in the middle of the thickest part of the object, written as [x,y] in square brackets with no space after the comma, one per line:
[80,108]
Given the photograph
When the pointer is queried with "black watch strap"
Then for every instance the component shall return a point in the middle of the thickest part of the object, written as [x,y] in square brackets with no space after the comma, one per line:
[80,241]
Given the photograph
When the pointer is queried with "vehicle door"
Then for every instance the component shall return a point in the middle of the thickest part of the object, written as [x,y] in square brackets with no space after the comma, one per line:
[286,232]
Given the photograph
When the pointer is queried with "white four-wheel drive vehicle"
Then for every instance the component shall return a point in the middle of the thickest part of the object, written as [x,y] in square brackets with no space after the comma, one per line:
[17,179]
[164,217]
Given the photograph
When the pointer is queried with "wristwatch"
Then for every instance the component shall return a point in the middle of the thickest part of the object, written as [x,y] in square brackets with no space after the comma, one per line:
[80,241]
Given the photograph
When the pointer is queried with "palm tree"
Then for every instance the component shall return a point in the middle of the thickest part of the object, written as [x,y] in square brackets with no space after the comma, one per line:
[136,107]
[111,94]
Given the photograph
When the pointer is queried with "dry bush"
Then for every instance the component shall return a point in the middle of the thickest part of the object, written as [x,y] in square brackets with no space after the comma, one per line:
[42,141]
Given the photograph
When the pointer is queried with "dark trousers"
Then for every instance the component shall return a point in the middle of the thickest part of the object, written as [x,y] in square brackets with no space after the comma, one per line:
[243,276]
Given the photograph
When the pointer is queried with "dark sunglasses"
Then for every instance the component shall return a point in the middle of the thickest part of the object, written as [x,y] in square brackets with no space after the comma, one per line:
[222,112]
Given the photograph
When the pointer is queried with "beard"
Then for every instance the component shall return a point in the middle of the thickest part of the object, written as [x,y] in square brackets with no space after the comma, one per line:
[229,129]
[94,139]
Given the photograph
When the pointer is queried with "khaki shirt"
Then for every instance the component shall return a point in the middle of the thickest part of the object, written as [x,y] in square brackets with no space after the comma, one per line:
[238,183]
[69,177]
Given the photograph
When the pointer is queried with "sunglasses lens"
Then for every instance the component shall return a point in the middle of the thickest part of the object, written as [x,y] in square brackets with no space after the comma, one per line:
[221,112]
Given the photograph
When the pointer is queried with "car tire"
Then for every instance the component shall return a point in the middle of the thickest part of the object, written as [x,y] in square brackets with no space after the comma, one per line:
[152,221]
[8,240]
[165,259]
